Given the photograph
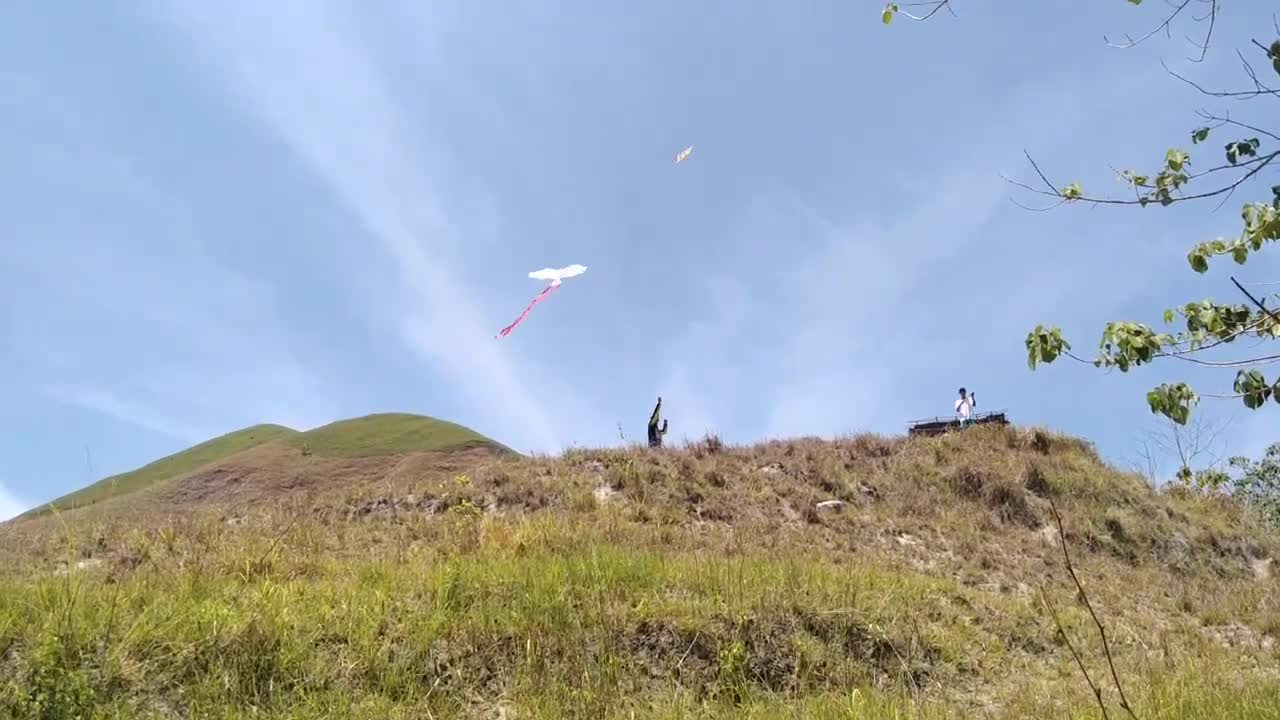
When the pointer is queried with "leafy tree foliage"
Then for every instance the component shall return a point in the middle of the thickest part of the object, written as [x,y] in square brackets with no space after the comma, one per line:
[1258,483]
[1247,154]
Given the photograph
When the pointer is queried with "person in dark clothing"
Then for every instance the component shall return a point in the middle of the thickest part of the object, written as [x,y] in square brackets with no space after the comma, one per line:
[656,433]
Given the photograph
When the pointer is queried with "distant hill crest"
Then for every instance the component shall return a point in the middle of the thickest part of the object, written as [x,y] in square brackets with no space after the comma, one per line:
[376,435]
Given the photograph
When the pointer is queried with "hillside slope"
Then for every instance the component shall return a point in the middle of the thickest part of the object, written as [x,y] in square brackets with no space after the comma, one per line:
[386,435]
[704,581]
[165,468]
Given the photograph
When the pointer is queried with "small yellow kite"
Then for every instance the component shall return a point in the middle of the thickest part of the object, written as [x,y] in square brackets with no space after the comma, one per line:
[683,154]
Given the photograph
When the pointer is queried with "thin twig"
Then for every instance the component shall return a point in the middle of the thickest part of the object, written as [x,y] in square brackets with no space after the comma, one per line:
[1225,396]
[1226,120]
[1262,162]
[1253,74]
[1230,363]
[1246,94]
[934,6]
[1097,691]
[1162,26]
[1208,35]
[1256,301]
[1102,631]
[1166,26]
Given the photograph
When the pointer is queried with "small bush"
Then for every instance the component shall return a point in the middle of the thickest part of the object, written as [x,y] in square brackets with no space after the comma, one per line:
[1036,483]
[967,482]
[57,687]
[1010,505]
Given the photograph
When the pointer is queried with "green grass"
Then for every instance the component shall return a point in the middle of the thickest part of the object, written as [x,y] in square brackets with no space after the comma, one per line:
[549,619]
[380,434]
[702,585]
[389,434]
[165,468]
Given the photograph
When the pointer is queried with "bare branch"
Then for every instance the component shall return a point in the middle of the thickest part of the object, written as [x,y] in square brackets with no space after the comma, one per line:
[1102,631]
[1208,35]
[934,6]
[1242,94]
[1053,190]
[1226,396]
[1097,691]
[1162,26]
[1256,301]
[1265,360]
[1165,25]
[1253,74]
[1226,120]
[1197,445]
[1259,163]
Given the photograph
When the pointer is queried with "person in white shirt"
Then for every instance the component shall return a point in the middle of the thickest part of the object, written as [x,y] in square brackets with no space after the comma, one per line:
[965,405]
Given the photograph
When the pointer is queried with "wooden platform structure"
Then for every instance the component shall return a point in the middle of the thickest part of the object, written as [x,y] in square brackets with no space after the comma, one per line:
[940,425]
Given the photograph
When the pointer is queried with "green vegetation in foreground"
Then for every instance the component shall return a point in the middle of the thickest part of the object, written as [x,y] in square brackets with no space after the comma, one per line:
[550,619]
[192,458]
[379,434]
[389,434]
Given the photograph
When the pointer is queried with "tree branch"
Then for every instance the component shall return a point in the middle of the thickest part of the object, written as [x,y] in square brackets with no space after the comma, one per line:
[1097,691]
[1226,120]
[1165,25]
[1228,363]
[1102,631]
[1256,301]
[1258,164]
[1242,94]
[933,5]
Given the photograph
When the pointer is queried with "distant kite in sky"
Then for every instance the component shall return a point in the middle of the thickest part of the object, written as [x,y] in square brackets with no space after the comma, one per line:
[683,154]
[555,276]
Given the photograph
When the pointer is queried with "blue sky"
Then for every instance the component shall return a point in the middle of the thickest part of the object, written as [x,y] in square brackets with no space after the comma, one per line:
[218,214]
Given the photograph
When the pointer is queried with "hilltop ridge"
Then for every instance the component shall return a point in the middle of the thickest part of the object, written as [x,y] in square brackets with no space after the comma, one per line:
[379,434]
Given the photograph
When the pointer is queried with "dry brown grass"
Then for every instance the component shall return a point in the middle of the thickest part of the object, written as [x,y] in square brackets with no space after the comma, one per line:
[1182,580]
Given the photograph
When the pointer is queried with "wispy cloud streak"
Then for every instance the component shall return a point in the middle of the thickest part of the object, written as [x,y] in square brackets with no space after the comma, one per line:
[301,69]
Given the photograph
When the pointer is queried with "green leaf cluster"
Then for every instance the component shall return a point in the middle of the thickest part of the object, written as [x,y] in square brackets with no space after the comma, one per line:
[1261,226]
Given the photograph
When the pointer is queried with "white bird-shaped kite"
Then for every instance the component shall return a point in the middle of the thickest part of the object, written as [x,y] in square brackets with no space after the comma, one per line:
[680,156]
[555,276]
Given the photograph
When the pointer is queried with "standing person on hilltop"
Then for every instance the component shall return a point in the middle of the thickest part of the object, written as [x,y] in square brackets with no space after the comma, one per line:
[656,433]
[965,405]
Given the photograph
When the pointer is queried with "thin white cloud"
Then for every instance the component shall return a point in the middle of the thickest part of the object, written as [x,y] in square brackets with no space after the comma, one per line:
[299,68]
[126,312]
[10,505]
[210,350]
[107,402]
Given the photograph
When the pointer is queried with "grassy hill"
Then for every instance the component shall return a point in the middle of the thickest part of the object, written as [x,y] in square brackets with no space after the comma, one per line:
[383,434]
[165,468]
[703,581]
[390,434]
